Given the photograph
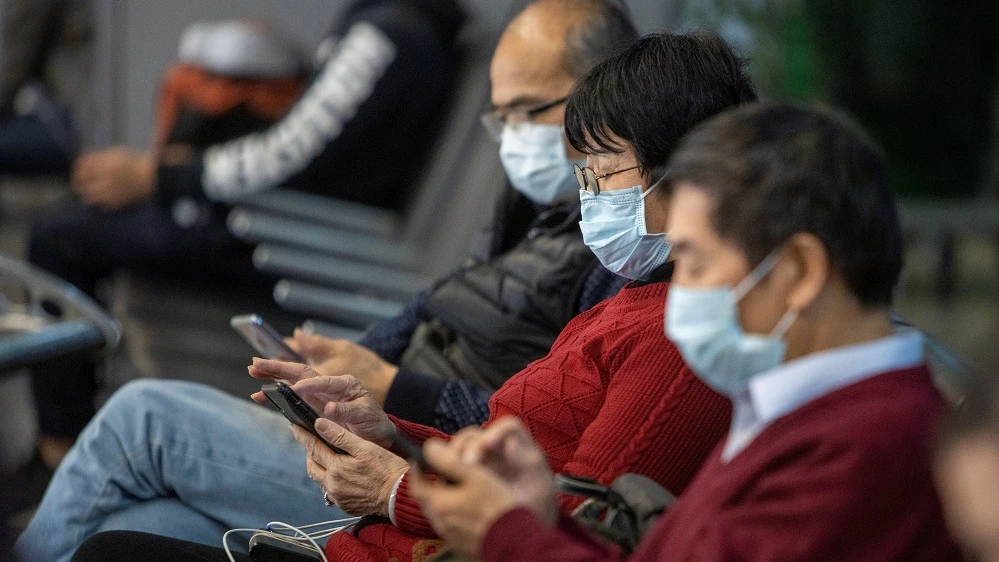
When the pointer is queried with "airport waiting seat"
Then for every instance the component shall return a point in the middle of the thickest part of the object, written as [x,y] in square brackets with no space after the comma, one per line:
[354,265]
[55,321]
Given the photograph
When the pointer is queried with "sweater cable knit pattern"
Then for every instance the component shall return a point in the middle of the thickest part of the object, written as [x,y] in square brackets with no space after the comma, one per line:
[612,396]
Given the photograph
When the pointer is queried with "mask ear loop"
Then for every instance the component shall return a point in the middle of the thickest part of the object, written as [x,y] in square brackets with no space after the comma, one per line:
[756,275]
[653,187]
[784,325]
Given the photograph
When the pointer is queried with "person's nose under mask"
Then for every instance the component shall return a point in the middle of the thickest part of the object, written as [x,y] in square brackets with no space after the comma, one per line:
[613,227]
[536,163]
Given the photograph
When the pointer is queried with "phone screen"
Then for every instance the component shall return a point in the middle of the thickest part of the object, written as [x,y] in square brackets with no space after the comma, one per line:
[264,339]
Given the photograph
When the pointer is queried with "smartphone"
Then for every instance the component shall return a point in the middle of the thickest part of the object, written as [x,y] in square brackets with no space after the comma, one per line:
[411,451]
[265,339]
[295,409]
[268,548]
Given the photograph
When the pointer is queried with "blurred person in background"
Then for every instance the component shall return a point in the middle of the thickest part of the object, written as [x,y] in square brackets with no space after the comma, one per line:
[357,132]
[967,471]
[529,273]
[46,93]
[613,395]
[788,251]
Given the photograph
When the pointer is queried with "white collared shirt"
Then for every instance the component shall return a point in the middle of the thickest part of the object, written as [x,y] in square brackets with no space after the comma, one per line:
[783,389]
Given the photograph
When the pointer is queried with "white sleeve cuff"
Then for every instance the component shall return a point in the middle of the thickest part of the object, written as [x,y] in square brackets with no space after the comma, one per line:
[395,490]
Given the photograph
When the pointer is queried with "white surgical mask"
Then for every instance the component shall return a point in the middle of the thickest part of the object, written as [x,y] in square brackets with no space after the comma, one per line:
[613,227]
[704,325]
[536,163]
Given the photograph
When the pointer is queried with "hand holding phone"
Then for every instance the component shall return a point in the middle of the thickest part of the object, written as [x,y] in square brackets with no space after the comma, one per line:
[296,410]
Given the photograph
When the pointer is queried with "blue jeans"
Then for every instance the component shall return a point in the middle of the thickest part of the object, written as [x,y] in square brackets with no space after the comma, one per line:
[178,459]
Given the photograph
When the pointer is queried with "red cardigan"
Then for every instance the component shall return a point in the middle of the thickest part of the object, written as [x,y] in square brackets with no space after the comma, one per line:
[844,477]
[612,396]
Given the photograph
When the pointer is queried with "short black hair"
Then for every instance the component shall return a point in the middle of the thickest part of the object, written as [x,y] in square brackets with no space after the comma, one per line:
[650,94]
[606,30]
[776,169]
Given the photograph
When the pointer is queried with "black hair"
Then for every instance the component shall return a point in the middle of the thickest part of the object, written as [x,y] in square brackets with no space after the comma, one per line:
[606,30]
[653,92]
[776,169]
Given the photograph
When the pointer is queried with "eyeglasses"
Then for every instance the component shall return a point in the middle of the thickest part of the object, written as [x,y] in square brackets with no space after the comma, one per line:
[588,179]
[495,120]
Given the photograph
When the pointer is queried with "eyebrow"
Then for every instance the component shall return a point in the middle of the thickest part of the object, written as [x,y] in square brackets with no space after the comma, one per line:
[517,102]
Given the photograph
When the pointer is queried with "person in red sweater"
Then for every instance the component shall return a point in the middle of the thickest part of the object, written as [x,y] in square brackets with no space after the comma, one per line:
[613,395]
[787,249]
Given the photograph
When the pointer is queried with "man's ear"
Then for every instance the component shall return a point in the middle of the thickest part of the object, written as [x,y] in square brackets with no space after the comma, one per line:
[811,260]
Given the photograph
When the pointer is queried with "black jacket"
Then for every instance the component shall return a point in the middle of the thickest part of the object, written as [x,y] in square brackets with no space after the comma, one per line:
[361,129]
[509,302]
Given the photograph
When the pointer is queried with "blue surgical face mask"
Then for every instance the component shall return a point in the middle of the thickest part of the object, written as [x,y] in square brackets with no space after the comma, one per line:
[614,229]
[535,161]
[704,325]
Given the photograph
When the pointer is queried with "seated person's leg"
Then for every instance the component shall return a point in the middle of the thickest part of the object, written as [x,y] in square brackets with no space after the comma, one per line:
[127,546]
[169,517]
[227,459]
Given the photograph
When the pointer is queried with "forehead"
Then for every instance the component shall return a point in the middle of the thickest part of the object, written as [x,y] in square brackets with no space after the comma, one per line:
[528,64]
[690,214]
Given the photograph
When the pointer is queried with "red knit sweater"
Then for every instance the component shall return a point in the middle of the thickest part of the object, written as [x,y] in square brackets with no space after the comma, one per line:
[612,396]
[844,477]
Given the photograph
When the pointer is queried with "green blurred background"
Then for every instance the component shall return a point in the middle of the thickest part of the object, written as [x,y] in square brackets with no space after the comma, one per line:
[920,75]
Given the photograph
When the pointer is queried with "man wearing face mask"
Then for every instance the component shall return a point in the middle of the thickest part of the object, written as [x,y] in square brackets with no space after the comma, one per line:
[788,251]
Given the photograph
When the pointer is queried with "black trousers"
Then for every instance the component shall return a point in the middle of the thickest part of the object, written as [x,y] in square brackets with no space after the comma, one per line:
[132,546]
[84,245]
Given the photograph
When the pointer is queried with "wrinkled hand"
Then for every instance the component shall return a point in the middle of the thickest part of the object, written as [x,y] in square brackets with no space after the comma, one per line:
[114,178]
[339,399]
[283,371]
[333,357]
[360,483]
[494,470]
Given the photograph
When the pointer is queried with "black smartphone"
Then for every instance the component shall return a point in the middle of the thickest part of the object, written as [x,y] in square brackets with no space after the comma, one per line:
[265,339]
[268,548]
[295,409]
[411,451]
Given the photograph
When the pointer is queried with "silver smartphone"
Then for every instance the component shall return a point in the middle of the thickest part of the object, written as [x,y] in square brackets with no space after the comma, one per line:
[265,339]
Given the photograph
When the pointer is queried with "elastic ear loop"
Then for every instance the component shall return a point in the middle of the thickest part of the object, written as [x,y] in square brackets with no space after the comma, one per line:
[656,184]
[755,276]
[784,325]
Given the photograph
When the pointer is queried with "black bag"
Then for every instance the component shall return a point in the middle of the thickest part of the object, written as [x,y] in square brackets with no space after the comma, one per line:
[622,513]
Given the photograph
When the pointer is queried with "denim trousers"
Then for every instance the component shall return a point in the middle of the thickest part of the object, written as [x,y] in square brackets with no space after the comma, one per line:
[178,459]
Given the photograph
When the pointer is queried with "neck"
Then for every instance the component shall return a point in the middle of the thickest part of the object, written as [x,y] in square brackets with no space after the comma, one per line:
[840,326]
